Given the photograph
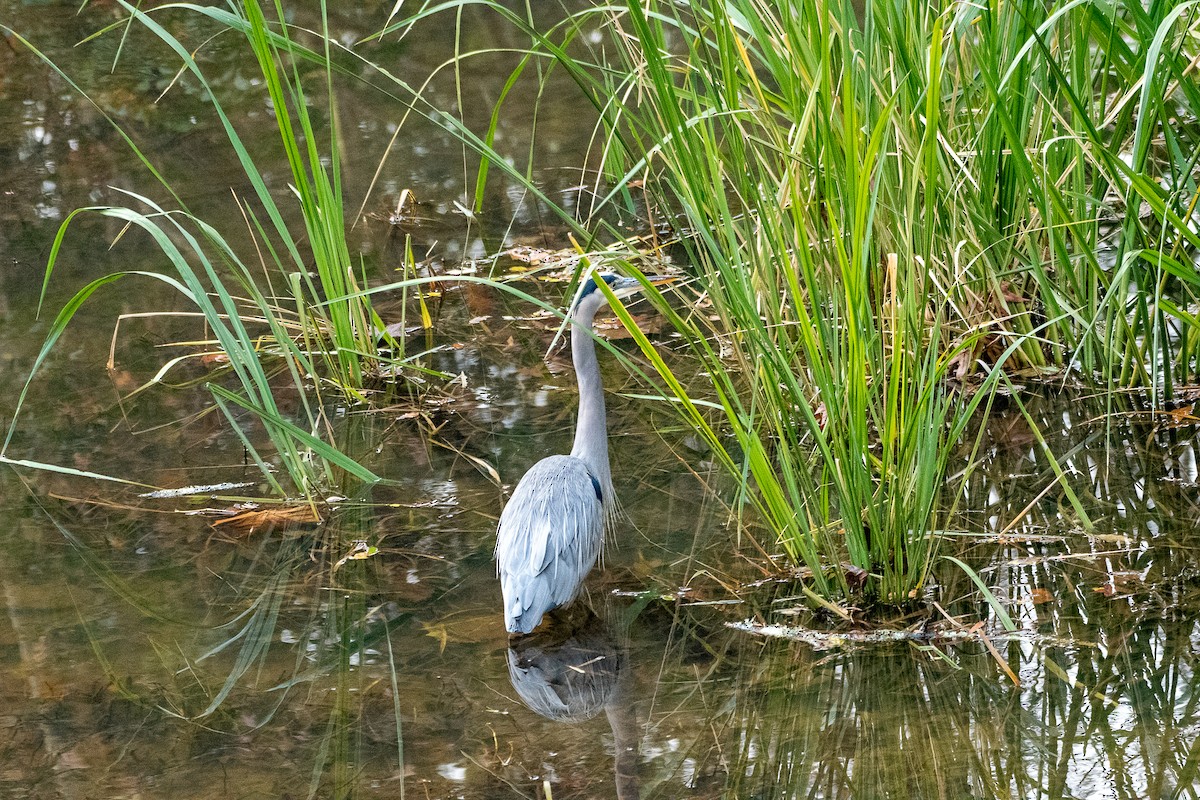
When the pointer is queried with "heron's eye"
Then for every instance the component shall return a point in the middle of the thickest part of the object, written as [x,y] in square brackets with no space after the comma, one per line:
[596,488]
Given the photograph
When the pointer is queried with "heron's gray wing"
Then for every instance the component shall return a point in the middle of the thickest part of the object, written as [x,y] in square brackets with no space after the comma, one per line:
[548,539]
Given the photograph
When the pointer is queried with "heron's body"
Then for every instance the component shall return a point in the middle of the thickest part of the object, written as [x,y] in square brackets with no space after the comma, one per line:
[552,530]
[543,561]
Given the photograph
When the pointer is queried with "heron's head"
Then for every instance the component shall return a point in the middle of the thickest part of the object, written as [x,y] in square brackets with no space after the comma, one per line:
[621,287]
[590,298]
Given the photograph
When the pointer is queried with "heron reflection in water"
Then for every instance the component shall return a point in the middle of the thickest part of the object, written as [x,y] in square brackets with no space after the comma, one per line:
[552,530]
[571,674]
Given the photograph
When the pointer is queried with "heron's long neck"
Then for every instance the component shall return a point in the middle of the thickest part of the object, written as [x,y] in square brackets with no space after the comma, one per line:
[591,429]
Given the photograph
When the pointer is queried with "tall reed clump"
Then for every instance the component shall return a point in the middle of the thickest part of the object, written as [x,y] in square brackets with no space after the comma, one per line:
[876,205]
[764,129]
[320,331]
[337,320]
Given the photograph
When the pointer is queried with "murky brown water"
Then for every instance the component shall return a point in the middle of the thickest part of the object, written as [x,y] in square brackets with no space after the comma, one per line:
[126,620]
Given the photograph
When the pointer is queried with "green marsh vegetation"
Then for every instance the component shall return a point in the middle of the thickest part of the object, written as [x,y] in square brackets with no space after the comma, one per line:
[889,216]
[304,326]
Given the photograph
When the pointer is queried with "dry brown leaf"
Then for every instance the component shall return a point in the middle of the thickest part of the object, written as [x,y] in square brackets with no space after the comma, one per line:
[464,629]
[1010,295]
[1039,595]
[1120,584]
[248,522]
[1181,416]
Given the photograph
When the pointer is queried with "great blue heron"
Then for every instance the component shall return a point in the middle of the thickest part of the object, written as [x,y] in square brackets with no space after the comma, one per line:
[552,529]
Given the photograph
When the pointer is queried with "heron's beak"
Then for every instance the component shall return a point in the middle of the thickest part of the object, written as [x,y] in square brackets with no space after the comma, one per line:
[631,286]
[661,280]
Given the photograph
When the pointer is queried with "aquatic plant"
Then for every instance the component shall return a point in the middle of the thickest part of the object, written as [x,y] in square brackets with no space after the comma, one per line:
[323,330]
[835,338]
[321,323]
[908,202]
[310,462]
[831,723]
[885,204]
[338,321]
[883,207]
